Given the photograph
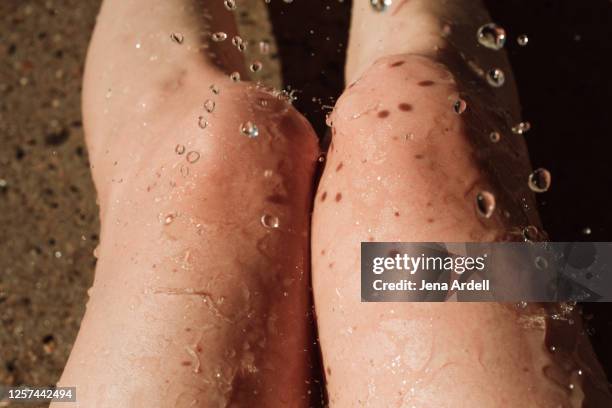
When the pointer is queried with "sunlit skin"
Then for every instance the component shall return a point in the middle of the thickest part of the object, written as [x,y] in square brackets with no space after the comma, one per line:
[201,290]
[197,299]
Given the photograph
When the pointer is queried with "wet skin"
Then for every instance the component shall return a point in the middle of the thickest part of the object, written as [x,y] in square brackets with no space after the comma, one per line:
[201,289]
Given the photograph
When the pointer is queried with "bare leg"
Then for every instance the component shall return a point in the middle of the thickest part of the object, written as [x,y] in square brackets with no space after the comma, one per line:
[406,163]
[200,296]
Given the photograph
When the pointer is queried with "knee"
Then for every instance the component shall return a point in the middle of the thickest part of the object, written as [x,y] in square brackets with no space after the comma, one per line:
[398,96]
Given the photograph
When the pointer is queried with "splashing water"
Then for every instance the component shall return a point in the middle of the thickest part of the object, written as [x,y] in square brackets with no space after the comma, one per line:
[521,128]
[485,204]
[219,36]
[491,36]
[380,5]
[460,106]
[494,136]
[496,77]
[522,40]
[256,66]
[539,181]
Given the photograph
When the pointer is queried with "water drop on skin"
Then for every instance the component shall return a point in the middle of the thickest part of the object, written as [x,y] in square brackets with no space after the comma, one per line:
[202,123]
[491,36]
[495,137]
[179,149]
[522,40]
[219,36]
[230,4]
[380,5]
[177,38]
[215,89]
[460,106]
[169,218]
[485,204]
[193,156]
[269,221]
[496,77]
[236,40]
[235,76]
[539,180]
[209,105]
[249,129]
[256,66]
[521,128]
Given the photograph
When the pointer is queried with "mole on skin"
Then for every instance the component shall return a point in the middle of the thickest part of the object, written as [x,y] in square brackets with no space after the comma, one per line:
[338,196]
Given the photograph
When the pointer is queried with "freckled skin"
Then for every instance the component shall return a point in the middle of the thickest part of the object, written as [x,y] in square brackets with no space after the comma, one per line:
[210,305]
[444,342]
[426,83]
[324,196]
[383,114]
[338,197]
[406,107]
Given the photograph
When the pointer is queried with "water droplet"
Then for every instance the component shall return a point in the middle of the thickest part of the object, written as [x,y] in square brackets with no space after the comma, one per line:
[209,105]
[586,231]
[235,76]
[269,221]
[242,46]
[521,128]
[264,47]
[531,233]
[495,137]
[491,36]
[218,36]
[541,263]
[249,129]
[230,4]
[184,171]
[460,106]
[522,40]
[380,5]
[539,180]
[169,218]
[321,158]
[202,123]
[179,149]
[485,204]
[496,77]
[268,173]
[109,93]
[256,66]
[177,38]
[215,89]
[236,40]
[193,156]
